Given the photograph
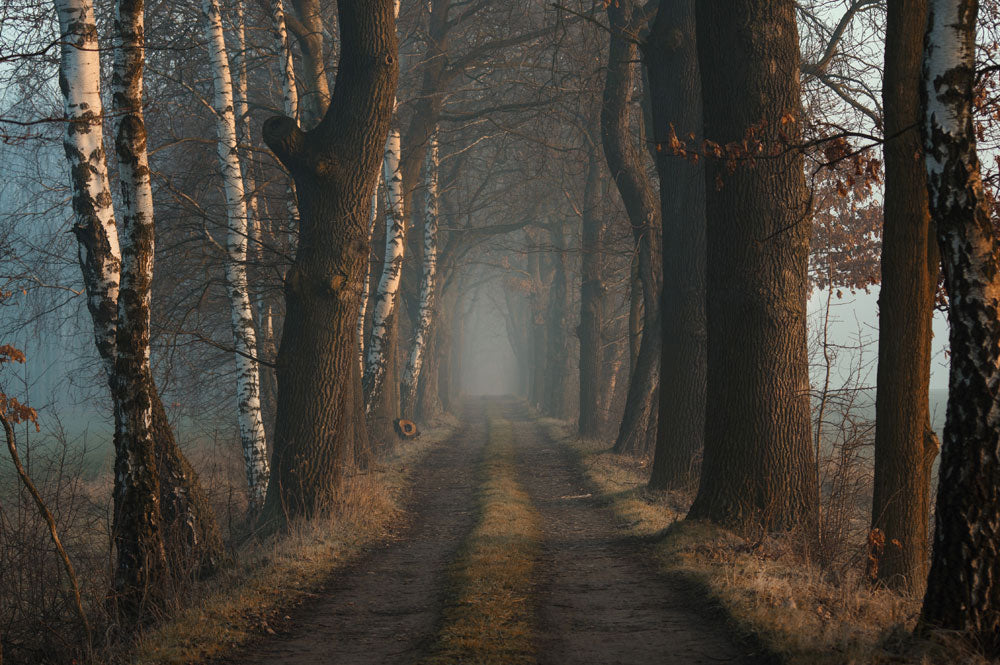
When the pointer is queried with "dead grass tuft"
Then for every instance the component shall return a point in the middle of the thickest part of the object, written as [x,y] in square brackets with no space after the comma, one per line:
[490,616]
[803,613]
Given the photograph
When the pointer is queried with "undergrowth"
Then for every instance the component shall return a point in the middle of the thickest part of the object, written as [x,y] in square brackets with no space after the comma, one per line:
[801,611]
[489,617]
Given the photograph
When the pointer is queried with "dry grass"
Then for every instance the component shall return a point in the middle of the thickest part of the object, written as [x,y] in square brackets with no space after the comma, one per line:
[801,612]
[490,616]
[267,578]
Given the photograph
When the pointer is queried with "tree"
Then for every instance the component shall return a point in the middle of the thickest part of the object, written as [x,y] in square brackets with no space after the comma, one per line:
[162,524]
[671,58]
[411,377]
[757,467]
[905,444]
[249,415]
[320,416]
[963,593]
[637,434]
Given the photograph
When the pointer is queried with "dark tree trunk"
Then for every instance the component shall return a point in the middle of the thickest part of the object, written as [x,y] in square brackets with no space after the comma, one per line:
[591,303]
[671,59]
[905,444]
[637,434]
[758,467]
[557,353]
[320,420]
[963,587]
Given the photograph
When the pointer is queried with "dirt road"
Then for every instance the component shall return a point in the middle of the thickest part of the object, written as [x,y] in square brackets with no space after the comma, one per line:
[598,599]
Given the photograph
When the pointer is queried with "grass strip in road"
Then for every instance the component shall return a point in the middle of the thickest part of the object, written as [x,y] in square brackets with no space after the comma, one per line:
[489,618]
[255,593]
[800,612]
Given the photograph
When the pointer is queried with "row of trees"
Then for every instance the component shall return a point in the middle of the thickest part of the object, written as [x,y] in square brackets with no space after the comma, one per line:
[634,185]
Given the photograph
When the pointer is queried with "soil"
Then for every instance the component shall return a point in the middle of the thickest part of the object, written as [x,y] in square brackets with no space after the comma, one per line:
[599,599]
[385,608]
[598,596]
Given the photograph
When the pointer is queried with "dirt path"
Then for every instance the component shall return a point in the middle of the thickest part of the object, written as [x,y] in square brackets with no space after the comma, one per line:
[599,601]
[385,608]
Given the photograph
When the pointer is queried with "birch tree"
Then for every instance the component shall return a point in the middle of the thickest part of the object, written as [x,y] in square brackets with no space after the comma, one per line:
[411,377]
[162,522]
[392,266]
[139,541]
[963,593]
[249,415]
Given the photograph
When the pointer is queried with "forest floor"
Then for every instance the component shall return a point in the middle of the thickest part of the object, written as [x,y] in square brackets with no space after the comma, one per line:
[507,557]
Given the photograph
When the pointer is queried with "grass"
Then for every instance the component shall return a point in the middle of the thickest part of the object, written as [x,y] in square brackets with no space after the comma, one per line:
[490,616]
[802,613]
[268,578]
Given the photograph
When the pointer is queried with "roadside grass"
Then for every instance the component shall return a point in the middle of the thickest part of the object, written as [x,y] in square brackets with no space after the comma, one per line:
[800,612]
[489,618]
[266,578]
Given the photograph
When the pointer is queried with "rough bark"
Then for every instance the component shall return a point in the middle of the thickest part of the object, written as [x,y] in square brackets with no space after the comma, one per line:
[141,570]
[591,303]
[637,434]
[671,59]
[249,416]
[963,587]
[905,444]
[758,467]
[320,416]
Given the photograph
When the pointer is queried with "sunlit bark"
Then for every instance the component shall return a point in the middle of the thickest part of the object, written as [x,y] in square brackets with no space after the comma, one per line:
[411,377]
[249,415]
[963,588]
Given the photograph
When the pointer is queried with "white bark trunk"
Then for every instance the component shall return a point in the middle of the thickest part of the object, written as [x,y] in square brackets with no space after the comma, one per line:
[251,422]
[94,217]
[392,268]
[411,378]
[289,95]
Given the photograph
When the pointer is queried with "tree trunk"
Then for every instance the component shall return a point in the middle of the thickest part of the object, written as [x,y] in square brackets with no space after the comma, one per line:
[320,416]
[905,444]
[963,593]
[591,303]
[142,570]
[637,434]
[411,379]
[557,351]
[671,59]
[180,529]
[249,415]
[758,467]
[308,29]
[381,389]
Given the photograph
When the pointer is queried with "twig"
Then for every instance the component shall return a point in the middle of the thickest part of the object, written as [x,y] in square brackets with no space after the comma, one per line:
[47,516]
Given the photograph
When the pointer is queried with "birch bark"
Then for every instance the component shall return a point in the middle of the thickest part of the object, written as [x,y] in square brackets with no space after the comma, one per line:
[249,415]
[963,588]
[94,223]
[392,270]
[139,540]
[411,378]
